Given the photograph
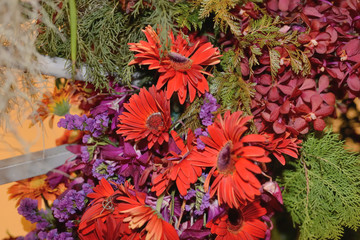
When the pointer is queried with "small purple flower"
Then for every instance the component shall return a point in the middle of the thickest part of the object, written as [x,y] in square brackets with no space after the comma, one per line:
[84,154]
[94,125]
[28,209]
[199,132]
[71,202]
[86,138]
[210,105]
[103,169]
[190,194]
[54,235]
[30,236]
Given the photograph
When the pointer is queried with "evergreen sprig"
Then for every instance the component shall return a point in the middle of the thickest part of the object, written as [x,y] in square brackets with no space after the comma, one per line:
[187,15]
[223,17]
[232,91]
[322,191]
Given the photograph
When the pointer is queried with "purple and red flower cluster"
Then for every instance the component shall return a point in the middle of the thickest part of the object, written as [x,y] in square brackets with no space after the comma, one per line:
[134,177]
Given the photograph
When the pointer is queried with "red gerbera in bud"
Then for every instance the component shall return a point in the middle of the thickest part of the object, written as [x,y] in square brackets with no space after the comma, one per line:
[147,116]
[181,68]
[228,152]
[240,223]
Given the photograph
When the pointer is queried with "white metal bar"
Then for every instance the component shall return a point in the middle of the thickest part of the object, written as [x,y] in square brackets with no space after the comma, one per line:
[33,164]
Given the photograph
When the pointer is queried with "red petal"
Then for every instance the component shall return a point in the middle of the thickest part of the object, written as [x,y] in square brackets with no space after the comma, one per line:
[354,82]
[253,138]
[319,124]
[311,11]
[316,100]
[308,83]
[278,127]
[284,5]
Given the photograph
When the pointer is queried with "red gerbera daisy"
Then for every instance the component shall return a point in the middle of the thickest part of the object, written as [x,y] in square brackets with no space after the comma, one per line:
[240,224]
[231,158]
[147,116]
[142,216]
[102,207]
[180,169]
[181,68]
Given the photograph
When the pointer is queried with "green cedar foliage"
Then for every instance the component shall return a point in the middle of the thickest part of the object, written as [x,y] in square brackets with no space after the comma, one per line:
[190,117]
[222,15]
[322,191]
[104,31]
[229,87]
[187,15]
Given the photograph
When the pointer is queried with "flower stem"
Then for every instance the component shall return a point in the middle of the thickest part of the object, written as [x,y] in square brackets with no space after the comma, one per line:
[172,205]
[159,202]
[73,33]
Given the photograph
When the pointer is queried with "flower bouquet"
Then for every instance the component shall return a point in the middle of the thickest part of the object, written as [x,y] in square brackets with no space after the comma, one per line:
[200,120]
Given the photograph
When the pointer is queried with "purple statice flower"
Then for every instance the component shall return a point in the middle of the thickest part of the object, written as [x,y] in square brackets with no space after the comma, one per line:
[71,202]
[29,209]
[205,203]
[199,132]
[85,156]
[72,122]
[190,194]
[210,105]
[30,236]
[54,235]
[103,169]
[94,125]
[86,138]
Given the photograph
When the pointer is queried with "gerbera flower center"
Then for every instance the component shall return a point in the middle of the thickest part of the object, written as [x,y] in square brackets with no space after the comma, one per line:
[235,220]
[155,121]
[37,183]
[224,161]
[179,62]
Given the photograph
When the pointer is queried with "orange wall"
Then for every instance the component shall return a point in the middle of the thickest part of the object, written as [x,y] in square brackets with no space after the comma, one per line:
[35,138]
